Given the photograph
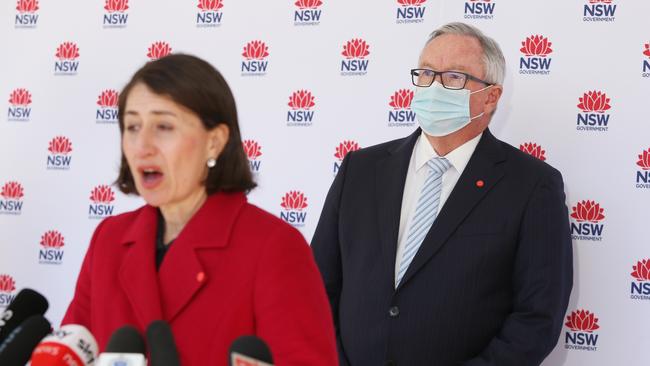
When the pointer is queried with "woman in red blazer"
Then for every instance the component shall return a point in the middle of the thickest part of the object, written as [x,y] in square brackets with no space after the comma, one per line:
[198,256]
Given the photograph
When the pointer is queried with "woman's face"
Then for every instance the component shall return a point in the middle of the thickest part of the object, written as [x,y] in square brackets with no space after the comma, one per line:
[167,147]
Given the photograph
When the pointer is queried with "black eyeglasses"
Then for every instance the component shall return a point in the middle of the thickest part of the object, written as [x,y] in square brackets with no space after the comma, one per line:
[450,79]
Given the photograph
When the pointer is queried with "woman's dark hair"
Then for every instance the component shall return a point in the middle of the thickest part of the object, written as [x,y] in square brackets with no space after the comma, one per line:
[196,85]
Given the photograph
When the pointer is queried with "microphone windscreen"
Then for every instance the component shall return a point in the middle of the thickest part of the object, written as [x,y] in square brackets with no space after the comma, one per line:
[73,344]
[25,304]
[162,348]
[16,349]
[252,347]
[126,339]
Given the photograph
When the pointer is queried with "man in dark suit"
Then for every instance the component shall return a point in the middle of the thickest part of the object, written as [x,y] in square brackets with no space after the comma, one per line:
[447,247]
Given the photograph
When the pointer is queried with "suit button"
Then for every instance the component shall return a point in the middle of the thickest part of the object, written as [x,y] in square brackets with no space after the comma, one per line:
[393,312]
[391,363]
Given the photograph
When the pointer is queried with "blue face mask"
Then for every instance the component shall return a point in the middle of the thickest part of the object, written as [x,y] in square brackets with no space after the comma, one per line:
[441,111]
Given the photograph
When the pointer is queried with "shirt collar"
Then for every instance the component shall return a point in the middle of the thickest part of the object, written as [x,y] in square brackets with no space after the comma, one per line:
[458,158]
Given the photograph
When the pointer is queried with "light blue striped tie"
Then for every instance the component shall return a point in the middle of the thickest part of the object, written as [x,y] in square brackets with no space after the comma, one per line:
[425,213]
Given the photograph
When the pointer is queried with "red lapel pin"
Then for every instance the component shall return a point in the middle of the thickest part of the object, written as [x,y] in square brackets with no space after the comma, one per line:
[480,183]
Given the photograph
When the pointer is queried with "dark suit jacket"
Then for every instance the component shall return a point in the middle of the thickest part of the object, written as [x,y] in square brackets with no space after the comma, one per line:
[233,270]
[490,283]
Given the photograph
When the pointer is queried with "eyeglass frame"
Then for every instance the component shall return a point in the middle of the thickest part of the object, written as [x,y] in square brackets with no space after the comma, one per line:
[436,73]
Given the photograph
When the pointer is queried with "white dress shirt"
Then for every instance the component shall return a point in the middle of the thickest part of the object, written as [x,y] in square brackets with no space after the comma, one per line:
[417,174]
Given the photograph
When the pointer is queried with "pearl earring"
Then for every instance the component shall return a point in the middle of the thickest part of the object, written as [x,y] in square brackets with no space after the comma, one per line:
[212,162]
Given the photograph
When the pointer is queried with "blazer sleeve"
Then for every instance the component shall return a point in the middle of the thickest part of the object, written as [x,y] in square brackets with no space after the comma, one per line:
[542,281]
[291,309]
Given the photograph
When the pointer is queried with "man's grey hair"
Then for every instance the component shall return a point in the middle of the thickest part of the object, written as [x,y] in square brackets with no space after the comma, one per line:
[493,60]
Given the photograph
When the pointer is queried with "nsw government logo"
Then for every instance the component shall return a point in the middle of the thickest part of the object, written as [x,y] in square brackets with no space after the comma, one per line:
[300,114]
[67,54]
[158,50]
[101,206]
[253,152]
[308,12]
[646,62]
[598,11]
[410,11]
[116,16]
[582,324]
[534,150]
[19,105]
[59,157]
[640,286]
[7,288]
[107,102]
[593,105]
[293,208]
[643,174]
[255,62]
[342,150]
[401,114]
[210,13]
[26,17]
[479,9]
[12,198]
[51,251]
[586,223]
[355,51]
[535,48]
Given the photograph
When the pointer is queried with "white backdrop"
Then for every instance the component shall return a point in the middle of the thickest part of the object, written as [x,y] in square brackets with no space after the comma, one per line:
[314,79]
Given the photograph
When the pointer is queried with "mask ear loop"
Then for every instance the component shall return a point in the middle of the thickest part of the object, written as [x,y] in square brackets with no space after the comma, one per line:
[482,113]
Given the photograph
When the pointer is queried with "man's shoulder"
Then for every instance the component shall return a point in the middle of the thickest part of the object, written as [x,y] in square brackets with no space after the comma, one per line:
[381,150]
[526,163]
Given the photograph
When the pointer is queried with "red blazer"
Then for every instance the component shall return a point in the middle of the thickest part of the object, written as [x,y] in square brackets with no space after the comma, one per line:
[233,270]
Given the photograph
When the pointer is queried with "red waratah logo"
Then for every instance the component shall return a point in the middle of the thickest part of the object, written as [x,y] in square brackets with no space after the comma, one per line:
[255,50]
[344,148]
[533,149]
[67,51]
[401,99]
[52,239]
[12,191]
[588,211]
[594,101]
[644,160]
[356,48]
[108,99]
[20,97]
[411,2]
[116,5]
[647,50]
[7,283]
[158,50]
[301,99]
[642,270]
[536,46]
[582,321]
[102,194]
[253,149]
[60,145]
[294,200]
[308,4]
[210,5]
[27,6]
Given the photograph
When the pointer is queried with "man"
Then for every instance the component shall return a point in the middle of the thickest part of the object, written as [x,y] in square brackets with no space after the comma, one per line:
[447,247]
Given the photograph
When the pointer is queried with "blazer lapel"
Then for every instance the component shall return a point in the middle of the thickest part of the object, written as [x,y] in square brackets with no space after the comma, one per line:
[484,165]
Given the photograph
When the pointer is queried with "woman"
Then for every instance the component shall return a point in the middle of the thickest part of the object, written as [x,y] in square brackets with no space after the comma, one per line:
[198,255]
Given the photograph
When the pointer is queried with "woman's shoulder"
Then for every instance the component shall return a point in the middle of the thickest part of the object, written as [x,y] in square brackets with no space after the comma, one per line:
[268,227]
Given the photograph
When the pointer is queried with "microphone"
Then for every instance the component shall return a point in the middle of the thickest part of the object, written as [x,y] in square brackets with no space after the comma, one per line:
[250,351]
[72,345]
[26,303]
[125,347]
[162,348]
[19,344]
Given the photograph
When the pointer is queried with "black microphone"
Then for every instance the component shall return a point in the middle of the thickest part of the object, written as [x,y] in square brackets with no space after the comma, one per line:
[17,348]
[162,348]
[125,345]
[26,303]
[250,350]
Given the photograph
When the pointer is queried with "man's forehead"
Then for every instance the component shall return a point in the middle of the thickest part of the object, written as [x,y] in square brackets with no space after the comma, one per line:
[452,52]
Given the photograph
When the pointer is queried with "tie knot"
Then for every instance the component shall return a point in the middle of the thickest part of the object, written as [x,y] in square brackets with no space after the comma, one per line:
[439,165]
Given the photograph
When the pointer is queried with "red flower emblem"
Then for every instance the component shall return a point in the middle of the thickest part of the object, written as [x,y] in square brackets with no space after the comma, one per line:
[7,283]
[301,99]
[60,145]
[27,6]
[401,99]
[536,46]
[20,97]
[594,101]
[52,239]
[294,200]
[116,5]
[642,270]
[67,51]
[102,194]
[588,211]
[108,99]
[255,50]
[412,2]
[582,320]
[644,160]
[210,5]
[647,50]
[253,149]
[344,148]
[12,191]
[355,48]
[158,50]
[533,149]
[308,4]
